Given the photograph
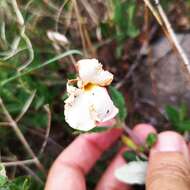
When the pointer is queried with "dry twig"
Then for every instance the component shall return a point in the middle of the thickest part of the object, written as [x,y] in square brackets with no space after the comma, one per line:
[46,107]
[14,126]
[18,163]
[162,19]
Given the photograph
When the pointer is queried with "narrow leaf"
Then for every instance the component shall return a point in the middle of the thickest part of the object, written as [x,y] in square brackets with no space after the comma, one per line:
[32,69]
[99,129]
[119,102]
[130,156]
[132,30]
[172,114]
[183,126]
[151,139]
[26,106]
[183,112]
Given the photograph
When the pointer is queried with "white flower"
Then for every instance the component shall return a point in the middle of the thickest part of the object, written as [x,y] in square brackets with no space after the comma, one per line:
[57,37]
[89,102]
[90,71]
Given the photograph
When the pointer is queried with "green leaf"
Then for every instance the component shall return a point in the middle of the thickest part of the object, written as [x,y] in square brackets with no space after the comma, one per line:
[183,112]
[99,129]
[172,114]
[178,118]
[130,156]
[119,20]
[3,181]
[124,18]
[65,96]
[94,130]
[119,102]
[132,30]
[40,66]
[151,139]
[71,76]
[119,14]
[20,183]
[183,126]
[106,30]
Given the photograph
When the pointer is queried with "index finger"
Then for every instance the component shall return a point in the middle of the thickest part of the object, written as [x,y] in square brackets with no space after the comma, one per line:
[75,161]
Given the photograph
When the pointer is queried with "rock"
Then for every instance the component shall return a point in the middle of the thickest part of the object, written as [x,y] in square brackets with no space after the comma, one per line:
[164,80]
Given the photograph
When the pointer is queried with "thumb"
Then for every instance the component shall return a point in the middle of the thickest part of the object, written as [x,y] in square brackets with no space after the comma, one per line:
[169,164]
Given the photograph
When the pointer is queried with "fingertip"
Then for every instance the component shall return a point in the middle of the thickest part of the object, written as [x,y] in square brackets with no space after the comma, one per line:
[168,163]
[170,141]
[143,130]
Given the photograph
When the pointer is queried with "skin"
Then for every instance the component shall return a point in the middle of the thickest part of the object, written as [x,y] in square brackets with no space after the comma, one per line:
[168,162]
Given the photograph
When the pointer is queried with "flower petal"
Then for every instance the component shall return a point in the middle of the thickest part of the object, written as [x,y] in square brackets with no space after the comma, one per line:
[72,89]
[102,107]
[57,37]
[90,71]
[77,113]
[132,173]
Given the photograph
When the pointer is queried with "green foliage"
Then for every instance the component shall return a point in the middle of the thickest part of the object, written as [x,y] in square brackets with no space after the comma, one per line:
[122,24]
[3,177]
[3,181]
[25,92]
[188,2]
[124,14]
[94,130]
[19,183]
[99,129]
[178,117]
[40,66]
[119,102]
[131,155]
[106,29]
[151,140]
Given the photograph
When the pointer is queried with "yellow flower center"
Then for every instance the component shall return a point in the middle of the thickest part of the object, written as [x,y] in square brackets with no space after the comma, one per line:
[89,86]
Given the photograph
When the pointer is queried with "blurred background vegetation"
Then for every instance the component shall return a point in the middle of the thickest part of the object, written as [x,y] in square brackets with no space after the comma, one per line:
[34,68]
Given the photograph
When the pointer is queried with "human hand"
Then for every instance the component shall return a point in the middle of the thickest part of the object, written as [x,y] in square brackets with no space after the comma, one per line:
[168,163]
